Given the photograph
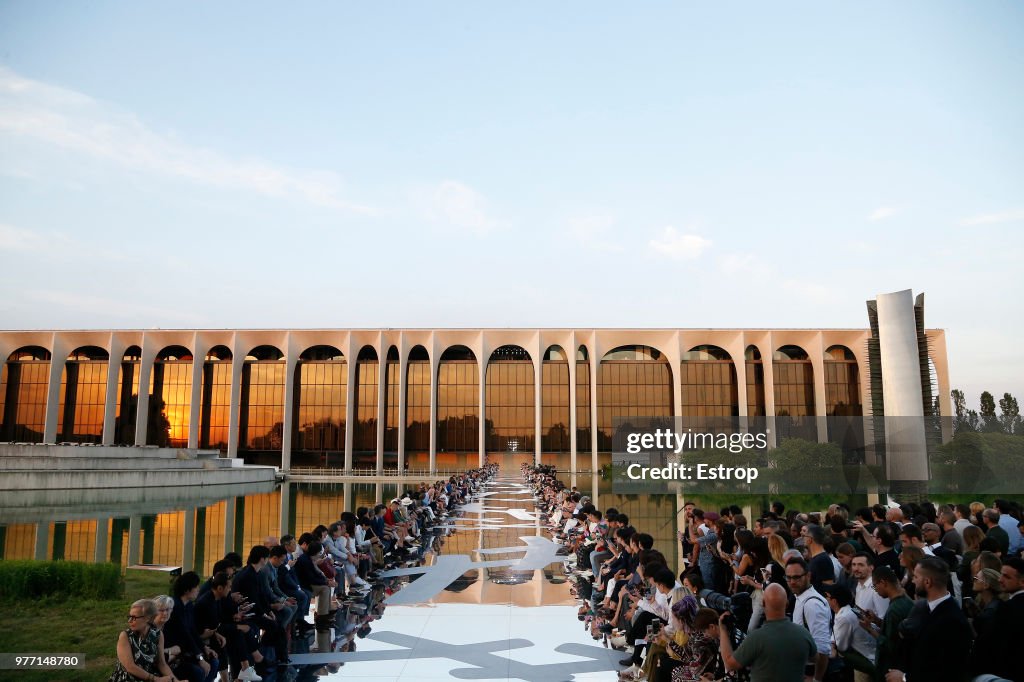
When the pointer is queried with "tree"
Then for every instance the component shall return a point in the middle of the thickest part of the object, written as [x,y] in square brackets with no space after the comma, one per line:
[989,420]
[961,422]
[1009,415]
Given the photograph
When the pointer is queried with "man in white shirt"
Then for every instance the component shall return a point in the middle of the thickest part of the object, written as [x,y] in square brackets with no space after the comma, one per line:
[847,635]
[812,612]
[867,599]
[963,518]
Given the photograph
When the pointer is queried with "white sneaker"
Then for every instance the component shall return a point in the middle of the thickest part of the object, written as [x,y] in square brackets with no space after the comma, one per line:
[249,675]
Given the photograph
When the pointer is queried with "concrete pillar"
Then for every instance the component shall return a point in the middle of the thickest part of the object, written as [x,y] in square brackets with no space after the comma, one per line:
[595,367]
[571,357]
[768,365]
[42,541]
[482,426]
[195,403]
[237,365]
[229,524]
[290,367]
[58,358]
[134,531]
[403,396]
[110,401]
[149,352]
[817,355]
[352,353]
[188,541]
[538,375]
[101,541]
[435,364]
[286,505]
[382,408]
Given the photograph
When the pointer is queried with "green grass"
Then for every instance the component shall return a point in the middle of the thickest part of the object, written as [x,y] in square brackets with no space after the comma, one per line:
[58,624]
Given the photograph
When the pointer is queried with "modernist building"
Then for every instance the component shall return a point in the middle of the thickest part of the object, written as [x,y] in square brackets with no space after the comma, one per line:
[445,398]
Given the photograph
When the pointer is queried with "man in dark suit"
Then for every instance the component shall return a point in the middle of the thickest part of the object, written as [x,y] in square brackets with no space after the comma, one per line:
[942,642]
[1010,620]
[247,582]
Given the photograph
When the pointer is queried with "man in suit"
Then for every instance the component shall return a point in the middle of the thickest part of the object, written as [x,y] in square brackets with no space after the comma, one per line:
[247,582]
[1009,619]
[941,647]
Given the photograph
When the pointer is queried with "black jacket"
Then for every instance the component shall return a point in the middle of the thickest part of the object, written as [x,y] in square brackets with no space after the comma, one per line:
[942,645]
[307,573]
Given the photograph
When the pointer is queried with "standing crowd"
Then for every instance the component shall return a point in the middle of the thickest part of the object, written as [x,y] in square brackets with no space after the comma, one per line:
[246,619]
[919,592]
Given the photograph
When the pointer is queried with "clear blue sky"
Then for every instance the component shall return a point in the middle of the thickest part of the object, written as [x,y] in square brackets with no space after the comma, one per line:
[516,164]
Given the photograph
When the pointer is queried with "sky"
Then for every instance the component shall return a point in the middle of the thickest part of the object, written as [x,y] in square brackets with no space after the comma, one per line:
[464,164]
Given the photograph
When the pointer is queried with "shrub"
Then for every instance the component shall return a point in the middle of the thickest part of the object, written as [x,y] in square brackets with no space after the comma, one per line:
[35,579]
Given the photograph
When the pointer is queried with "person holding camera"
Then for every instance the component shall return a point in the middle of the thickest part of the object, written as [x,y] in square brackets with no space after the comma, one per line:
[777,651]
[849,640]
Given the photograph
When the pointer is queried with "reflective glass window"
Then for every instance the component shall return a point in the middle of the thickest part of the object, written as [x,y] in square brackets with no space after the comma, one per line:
[24,387]
[83,393]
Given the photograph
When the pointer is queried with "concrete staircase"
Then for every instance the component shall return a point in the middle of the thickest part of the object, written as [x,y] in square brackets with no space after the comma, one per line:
[26,467]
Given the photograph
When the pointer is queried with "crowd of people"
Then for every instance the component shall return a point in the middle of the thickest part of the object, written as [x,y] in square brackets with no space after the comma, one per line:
[918,592]
[315,592]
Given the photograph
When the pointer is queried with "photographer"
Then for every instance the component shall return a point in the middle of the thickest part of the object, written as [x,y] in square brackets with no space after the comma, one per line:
[778,650]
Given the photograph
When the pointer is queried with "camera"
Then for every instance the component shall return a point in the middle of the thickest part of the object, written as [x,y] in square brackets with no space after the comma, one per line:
[729,621]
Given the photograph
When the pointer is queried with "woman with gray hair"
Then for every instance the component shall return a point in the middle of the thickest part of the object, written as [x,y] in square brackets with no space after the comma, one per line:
[140,648]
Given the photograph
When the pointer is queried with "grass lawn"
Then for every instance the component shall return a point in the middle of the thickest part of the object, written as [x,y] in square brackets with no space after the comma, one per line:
[89,627]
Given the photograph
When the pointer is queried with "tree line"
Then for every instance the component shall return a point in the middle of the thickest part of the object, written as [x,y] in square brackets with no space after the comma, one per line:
[985,420]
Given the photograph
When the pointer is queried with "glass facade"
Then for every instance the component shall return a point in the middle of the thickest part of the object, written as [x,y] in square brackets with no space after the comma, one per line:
[842,383]
[756,406]
[215,413]
[417,407]
[83,394]
[127,397]
[583,442]
[364,439]
[708,383]
[170,397]
[509,401]
[458,401]
[794,382]
[261,413]
[23,387]
[320,403]
[554,401]
[633,381]
[392,395]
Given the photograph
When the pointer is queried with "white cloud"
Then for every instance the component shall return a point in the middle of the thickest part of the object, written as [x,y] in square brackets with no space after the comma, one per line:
[16,239]
[1010,216]
[75,122]
[881,213]
[677,246]
[458,205]
[594,232]
[53,245]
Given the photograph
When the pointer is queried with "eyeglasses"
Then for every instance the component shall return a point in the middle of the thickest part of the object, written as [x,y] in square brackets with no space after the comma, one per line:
[132,618]
[790,578]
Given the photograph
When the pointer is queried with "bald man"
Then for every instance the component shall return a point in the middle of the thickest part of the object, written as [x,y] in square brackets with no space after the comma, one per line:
[778,650]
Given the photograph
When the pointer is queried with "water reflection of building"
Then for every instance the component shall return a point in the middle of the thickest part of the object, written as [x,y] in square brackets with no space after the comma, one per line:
[440,400]
[193,529]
